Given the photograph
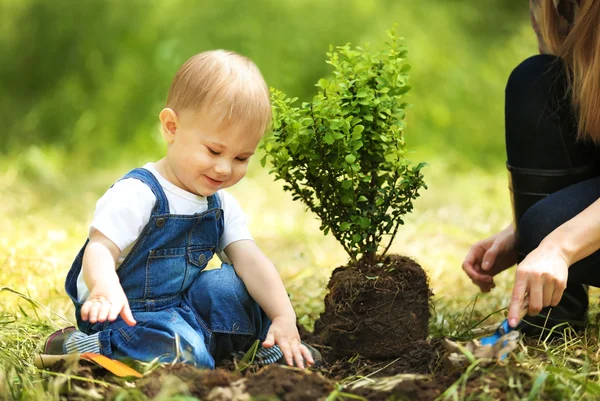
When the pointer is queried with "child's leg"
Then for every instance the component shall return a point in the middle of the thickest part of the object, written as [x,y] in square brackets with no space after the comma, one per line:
[221,300]
[168,335]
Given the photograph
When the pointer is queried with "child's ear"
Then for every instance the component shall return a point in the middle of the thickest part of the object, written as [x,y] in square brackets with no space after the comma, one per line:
[169,123]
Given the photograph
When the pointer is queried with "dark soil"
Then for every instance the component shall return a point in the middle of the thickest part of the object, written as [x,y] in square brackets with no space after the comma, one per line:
[491,383]
[289,384]
[378,310]
[198,382]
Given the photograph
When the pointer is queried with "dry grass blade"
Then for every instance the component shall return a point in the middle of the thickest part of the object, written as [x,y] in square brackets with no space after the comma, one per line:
[35,304]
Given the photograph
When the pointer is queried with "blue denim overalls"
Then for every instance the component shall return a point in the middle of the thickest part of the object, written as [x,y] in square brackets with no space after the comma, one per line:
[182,313]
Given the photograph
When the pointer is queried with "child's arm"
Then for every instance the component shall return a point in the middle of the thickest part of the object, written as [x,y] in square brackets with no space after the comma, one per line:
[107,299]
[265,286]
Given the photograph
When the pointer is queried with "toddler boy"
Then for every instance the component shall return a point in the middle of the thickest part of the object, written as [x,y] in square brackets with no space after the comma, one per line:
[138,283]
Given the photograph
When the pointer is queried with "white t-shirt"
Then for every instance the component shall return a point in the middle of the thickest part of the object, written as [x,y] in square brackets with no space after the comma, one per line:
[122,220]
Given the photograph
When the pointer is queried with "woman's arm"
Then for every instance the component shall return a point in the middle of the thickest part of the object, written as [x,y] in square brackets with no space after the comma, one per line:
[543,273]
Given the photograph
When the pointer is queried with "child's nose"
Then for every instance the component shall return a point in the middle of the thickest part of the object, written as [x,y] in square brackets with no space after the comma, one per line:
[223,168]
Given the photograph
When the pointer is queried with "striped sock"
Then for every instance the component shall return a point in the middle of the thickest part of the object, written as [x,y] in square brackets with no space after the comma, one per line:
[266,356]
[79,342]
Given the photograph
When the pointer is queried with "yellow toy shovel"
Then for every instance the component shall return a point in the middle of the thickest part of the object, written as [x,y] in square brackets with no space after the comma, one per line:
[45,361]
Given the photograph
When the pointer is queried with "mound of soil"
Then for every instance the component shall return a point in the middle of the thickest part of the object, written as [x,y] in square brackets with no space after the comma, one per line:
[378,310]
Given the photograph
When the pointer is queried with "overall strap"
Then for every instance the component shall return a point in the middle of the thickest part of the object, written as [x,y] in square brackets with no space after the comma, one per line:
[161,206]
[214,202]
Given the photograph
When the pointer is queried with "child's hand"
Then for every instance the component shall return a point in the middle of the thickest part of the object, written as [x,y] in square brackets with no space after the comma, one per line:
[284,333]
[106,304]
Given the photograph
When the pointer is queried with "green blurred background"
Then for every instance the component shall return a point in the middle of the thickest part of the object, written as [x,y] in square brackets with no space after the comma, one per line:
[82,82]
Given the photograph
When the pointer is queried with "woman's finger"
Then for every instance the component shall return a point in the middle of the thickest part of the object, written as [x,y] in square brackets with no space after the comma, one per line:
[559,289]
[485,282]
[517,298]
[474,257]
[536,295]
[475,272]
[489,258]
[486,287]
[548,292]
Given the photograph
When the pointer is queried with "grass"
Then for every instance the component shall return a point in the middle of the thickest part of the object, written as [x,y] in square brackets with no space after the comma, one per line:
[44,222]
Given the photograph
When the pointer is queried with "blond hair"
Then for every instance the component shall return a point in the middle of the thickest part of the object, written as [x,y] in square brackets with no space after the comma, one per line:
[224,84]
[580,49]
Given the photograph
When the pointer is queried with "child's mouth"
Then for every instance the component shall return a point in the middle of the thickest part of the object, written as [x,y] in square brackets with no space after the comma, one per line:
[214,182]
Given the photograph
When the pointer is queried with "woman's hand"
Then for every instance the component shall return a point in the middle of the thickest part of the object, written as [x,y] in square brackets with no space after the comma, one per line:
[543,275]
[491,256]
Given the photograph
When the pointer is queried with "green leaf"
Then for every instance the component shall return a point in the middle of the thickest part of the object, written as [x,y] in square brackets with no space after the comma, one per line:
[362,93]
[358,129]
[403,89]
[350,158]
[323,83]
[328,139]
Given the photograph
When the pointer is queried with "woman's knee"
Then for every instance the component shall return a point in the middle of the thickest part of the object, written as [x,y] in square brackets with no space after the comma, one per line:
[554,210]
[537,222]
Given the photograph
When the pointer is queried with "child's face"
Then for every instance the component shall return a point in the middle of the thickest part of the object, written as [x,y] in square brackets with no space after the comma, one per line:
[203,159]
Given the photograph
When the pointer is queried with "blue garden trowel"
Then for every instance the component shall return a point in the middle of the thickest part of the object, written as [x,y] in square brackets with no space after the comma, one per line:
[496,346]
[504,329]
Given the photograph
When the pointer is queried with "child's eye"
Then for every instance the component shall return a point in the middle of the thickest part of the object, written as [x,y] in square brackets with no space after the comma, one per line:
[213,152]
[242,159]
